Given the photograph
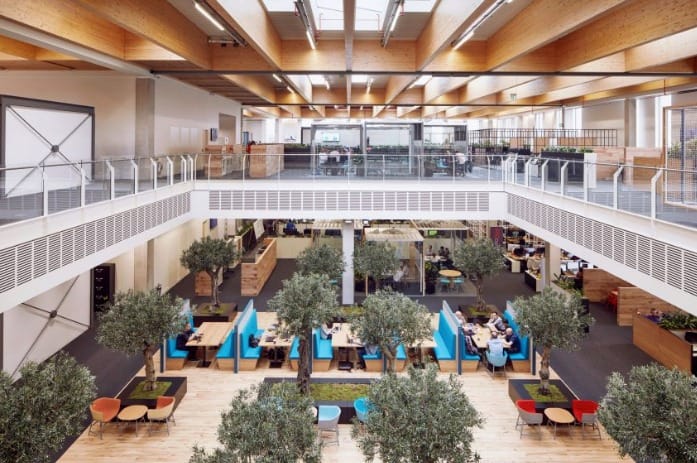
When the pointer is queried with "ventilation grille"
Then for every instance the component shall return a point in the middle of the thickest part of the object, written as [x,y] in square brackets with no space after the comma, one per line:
[360,201]
[32,259]
[666,263]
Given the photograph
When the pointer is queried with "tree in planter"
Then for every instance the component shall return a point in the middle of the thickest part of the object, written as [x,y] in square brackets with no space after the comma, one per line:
[481,258]
[553,320]
[651,415]
[390,318]
[418,418]
[267,425]
[322,260]
[304,303]
[374,259]
[43,408]
[137,323]
[209,255]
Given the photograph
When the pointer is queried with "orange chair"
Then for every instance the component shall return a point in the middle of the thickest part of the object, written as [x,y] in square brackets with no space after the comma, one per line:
[162,413]
[612,300]
[586,412]
[103,410]
[527,415]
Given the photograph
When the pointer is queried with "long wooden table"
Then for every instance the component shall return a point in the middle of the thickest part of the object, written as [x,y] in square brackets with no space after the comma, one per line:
[209,334]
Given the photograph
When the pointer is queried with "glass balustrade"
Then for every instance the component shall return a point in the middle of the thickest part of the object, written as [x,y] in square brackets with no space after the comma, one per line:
[664,194]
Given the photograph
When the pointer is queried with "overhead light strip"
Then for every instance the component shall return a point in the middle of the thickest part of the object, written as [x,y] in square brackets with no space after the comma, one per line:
[469,33]
[391,19]
[210,14]
[304,17]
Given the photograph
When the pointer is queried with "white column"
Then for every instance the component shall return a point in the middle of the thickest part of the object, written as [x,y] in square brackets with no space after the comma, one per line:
[347,282]
[552,262]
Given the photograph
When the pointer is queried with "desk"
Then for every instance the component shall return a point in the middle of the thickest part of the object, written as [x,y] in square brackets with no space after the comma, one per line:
[342,338]
[481,337]
[210,334]
[133,413]
[559,416]
[271,340]
[518,264]
[533,281]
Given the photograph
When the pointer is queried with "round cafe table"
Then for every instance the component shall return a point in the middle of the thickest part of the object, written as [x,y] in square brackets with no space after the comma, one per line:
[133,413]
[559,416]
[450,273]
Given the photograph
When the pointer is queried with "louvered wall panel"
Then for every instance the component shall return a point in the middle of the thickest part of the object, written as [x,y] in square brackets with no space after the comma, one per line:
[35,258]
[666,263]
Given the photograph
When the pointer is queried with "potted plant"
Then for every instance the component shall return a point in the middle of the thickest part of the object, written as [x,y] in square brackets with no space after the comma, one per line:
[209,255]
[480,258]
[373,260]
[431,276]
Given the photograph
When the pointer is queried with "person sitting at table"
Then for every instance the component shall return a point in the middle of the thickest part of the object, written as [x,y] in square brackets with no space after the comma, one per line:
[325,332]
[495,344]
[398,276]
[655,315]
[441,252]
[370,349]
[183,338]
[511,341]
[495,323]
[460,317]
[470,346]
[290,228]
[429,251]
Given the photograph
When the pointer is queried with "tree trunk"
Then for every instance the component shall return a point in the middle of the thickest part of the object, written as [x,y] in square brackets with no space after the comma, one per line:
[214,288]
[304,362]
[150,372]
[544,370]
[480,299]
[390,356]
[366,285]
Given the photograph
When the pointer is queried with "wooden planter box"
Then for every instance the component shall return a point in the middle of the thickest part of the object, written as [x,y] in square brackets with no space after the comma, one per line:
[666,347]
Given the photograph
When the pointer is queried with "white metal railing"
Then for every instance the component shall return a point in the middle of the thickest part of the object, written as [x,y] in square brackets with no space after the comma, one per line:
[658,193]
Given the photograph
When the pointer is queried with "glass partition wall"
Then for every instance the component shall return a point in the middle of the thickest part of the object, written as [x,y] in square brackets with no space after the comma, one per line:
[339,149]
[391,148]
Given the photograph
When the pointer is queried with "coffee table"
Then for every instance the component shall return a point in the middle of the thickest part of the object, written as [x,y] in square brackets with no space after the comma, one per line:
[558,416]
[133,413]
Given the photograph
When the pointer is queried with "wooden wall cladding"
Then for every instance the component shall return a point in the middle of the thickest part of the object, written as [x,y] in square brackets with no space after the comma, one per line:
[633,300]
[598,283]
[664,346]
[255,274]
[260,165]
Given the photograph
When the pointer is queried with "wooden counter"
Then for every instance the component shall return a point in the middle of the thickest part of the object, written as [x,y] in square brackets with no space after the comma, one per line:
[265,160]
[255,274]
[664,346]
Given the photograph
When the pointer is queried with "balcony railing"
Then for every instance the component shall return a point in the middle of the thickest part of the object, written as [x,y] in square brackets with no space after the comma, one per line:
[663,194]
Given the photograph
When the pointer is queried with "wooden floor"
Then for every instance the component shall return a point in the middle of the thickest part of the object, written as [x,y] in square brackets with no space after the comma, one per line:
[210,391]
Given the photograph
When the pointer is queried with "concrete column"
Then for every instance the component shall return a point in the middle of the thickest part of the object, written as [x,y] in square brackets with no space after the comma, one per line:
[347,281]
[630,127]
[145,117]
[551,263]
[143,260]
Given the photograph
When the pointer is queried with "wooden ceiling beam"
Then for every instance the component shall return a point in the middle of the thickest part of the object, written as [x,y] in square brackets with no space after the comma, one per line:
[231,58]
[136,48]
[349,28]
[669,85]
[258,87]
[399,56]
[469,57]
[252,23]
[438,86]
[669,49]
[448,20]
[635,23]
[18,49]
[490,85]
[159,22]
[298,56]
[595,86]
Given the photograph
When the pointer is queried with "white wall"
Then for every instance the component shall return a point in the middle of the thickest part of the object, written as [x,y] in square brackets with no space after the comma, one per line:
[111,95]
[22,324]
[288,128]
[646,122]
[183,112]
[606,116]
[256,129]
[125,271]
[167,270]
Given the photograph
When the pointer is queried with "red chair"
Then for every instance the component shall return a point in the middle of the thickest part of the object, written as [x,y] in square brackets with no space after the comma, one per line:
[586,412]
[612,300]
[103,410]
[527,415]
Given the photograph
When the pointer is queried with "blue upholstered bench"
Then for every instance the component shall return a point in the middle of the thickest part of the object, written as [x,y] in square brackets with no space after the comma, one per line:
[374,362]
[294,355]
[520,360]
[226,354]
[176,358]
[249,356]
[322,353]
[445,338]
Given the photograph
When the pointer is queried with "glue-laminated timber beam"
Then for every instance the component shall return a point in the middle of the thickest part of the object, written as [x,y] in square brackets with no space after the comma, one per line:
[469,57]
[665,50]
[349,27]
[258,87]
[595,86]
[18,49]
[438,86]
[668,85]
[158,21]
[238,58]
[640,21]
[137,48]
[254,25]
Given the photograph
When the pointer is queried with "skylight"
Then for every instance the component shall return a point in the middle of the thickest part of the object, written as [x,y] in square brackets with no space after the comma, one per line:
[359,78]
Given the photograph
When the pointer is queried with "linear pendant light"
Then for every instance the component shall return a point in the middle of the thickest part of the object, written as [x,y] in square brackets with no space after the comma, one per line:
[208,16]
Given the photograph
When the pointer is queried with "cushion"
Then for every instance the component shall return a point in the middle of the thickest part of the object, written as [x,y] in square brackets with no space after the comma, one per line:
[441,350]
[524,350]
[322,347]
[250,328]
[295,349]
[173,352]
[227,349]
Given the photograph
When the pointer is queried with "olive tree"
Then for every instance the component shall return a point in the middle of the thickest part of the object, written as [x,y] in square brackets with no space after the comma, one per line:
[43,408]
[418,418]
[209,255]
[137,322]
[553,319]
[388,319]
[304,303]
[374,259]
[265,425]
[322,260]
[651,414]
[481,258]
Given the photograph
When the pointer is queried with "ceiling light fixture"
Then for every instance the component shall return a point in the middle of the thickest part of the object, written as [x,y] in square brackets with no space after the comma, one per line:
[469,33]
[368,85]
[290,89]
[305,18]
[421,81]
[278,79]
[310,39]
[215,19]
[391,17]
[326,84]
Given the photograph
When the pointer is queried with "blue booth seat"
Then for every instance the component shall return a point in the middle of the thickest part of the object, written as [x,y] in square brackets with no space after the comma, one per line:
[225,357]
[176,358]
[468,362]
[249,356]
[374,362]
[294,355]
[520,361]
[322,352]
[445,338]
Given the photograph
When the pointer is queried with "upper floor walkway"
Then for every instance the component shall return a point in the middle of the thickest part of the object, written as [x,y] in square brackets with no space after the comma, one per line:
[638,223]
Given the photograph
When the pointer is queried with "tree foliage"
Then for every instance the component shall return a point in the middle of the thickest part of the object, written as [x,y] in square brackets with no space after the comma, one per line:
[304,303]
[389,319]
[374,259]
[553,319]
[43,408]
[209,255]
[481,258]
[418,418]
[322,260]
[265,425]
[137,323]
[651,415]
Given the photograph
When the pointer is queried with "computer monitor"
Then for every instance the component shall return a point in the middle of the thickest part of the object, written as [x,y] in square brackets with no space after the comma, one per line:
[564,268]
[530,250]
[572,266]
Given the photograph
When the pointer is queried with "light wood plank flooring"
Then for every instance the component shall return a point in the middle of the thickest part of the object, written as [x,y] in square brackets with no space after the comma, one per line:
[210,391]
